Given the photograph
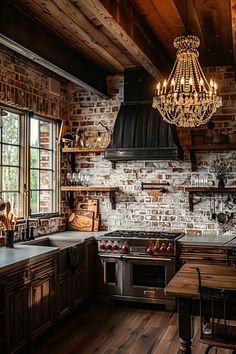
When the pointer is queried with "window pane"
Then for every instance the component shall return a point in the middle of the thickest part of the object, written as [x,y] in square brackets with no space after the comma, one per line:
[10,178]
[34,179]
[45,180]
[46,159]
[34,158]
[14,199]
[42,165]
[10,155]
[10,129]
[34,132]
[45,135]
[45,198]
[34,202]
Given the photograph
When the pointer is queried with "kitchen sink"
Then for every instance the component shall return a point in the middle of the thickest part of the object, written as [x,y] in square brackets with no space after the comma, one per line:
[51,242]
[71,252]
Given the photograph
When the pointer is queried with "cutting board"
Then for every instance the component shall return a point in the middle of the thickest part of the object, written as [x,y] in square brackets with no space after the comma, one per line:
[81,220]
[91,205]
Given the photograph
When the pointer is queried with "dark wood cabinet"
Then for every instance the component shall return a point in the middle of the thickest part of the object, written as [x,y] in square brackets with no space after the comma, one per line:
[90,257]
[77,288]
[42,305]
[70,288]
[17,334]
[42,295]
[64,298]
[202,254]
[2,317]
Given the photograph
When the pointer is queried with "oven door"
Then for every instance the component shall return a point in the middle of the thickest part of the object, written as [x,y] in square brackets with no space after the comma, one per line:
[146,277]
[110,274]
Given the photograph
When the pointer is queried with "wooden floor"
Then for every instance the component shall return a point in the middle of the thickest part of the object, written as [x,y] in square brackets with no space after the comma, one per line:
[118,329]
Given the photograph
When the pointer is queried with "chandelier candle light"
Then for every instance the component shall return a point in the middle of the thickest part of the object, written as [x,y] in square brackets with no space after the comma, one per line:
[186,99]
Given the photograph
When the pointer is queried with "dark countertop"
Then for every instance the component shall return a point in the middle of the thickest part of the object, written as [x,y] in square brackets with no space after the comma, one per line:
[207,240]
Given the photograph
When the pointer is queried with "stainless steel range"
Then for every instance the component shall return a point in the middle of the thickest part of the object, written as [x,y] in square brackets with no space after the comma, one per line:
[137,265]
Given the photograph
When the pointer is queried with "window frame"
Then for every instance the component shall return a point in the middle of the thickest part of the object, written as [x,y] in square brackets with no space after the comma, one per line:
[25,168]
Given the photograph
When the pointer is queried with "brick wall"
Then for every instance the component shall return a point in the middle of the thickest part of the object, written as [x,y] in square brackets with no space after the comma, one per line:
[137,209]
[25,86]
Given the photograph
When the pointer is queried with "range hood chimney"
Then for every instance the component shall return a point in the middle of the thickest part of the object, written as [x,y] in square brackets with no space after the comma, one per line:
[139,131]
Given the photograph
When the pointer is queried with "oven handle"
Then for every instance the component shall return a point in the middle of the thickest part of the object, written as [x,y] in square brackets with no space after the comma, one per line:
[111,255]
[149,258]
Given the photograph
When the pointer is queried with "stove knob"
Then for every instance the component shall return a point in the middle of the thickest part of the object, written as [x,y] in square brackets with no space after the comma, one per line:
[163,248]
[169,248]
[115,246]
[124,248]
[108,246]
[102,246]
[149,251]
[156,249]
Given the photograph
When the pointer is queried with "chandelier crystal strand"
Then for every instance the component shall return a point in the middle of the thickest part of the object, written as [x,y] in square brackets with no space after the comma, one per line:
[186,99]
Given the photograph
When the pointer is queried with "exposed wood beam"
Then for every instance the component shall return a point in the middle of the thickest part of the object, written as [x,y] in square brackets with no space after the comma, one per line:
[35,39]
[113,25]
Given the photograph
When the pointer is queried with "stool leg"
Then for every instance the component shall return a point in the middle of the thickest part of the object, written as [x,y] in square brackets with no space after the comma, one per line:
[208,349]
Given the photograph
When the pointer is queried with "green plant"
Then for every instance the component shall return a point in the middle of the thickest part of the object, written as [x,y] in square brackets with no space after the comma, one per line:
[221,168]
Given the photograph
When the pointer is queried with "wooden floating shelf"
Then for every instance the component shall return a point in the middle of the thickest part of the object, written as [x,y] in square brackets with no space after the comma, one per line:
[193,190]
[211,189]
[80,150]
[111,191]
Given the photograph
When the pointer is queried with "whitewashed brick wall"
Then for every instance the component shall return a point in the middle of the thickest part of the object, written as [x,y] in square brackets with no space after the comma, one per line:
[137,209]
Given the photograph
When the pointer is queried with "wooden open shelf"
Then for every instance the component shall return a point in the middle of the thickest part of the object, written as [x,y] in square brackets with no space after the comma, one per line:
[207,147]
[80,150]
[111,191]
[193,190]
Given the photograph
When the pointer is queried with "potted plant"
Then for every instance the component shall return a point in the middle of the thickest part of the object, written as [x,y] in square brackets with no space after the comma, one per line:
[221,169]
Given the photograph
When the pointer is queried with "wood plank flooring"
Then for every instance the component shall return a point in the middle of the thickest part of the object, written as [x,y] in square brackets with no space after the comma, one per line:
[118,329]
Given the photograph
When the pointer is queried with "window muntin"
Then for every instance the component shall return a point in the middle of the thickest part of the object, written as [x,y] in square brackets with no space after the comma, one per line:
[42,166]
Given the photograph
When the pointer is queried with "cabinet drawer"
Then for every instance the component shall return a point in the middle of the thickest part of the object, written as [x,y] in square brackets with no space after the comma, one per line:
[17,279]
[204,254]
[42,269]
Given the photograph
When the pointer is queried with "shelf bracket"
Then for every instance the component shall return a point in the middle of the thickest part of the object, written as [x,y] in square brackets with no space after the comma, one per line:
[113,199]
[193,160]
[190,201]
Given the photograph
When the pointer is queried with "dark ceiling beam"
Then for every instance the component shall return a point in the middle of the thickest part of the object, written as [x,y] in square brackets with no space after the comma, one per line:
[48,49]
[123,22]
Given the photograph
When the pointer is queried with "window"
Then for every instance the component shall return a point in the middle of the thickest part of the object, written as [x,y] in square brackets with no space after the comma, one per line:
[28,163]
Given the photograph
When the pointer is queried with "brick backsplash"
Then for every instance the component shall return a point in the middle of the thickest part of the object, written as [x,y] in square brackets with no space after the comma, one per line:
[137,209]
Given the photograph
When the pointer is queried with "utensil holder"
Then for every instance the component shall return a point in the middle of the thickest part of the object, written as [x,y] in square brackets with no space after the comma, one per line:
[9,240]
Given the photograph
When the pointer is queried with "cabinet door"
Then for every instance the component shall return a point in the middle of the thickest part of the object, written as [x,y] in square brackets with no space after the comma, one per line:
[17,319]
[89,269]
[77,288]
[64,294]
[42,305]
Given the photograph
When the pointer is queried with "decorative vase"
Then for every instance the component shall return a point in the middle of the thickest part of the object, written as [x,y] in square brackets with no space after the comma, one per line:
[221,182]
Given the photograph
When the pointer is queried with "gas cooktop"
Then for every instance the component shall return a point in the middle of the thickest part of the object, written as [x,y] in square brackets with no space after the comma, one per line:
[144,234]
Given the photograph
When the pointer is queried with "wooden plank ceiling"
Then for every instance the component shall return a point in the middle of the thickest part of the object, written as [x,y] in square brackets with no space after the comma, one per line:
[118,34]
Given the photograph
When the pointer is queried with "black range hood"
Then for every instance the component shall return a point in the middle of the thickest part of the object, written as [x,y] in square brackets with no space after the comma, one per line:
[139,131]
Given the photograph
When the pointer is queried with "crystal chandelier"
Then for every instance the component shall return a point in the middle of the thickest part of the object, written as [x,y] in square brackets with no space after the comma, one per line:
[186,99]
